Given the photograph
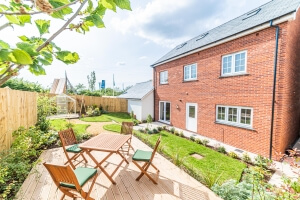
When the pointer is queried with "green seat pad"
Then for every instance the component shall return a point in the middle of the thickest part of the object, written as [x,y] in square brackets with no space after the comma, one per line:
[83,175]
[140,155]
[74,149]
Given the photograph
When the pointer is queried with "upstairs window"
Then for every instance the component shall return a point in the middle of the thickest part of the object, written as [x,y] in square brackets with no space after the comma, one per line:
[163,77]
[190,72]
[234,63]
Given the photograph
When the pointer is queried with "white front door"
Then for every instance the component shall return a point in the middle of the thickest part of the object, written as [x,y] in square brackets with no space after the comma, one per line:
[191,117]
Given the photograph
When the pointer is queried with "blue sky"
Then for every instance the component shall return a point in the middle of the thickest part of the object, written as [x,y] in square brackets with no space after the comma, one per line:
[132,41]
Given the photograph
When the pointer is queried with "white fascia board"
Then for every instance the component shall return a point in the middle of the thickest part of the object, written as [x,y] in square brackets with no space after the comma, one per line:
[233,37]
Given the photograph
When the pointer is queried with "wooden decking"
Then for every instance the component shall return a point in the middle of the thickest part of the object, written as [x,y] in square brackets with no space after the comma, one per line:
[173,183]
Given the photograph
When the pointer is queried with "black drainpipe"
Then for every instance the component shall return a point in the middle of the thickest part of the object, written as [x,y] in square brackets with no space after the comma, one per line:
[274,86]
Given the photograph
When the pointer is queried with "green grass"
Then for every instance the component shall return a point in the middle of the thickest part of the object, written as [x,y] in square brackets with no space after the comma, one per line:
[112,127]
[117,116]
[180,149]
[79,129]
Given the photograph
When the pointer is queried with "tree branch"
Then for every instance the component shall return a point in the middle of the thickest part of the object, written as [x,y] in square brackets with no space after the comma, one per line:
[62,28]
[7,70]
[4,26]
[39,12]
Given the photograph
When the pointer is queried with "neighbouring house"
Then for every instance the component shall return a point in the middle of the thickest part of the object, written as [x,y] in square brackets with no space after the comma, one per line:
[220,83]
[140,100]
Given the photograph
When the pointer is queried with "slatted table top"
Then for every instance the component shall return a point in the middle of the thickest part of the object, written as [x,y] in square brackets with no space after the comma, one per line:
[106,142]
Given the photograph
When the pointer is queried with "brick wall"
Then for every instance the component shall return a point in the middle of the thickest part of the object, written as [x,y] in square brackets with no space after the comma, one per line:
[251,90]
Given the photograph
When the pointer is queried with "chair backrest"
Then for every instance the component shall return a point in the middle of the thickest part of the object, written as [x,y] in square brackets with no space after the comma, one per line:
[155,148]
[62,174]
[67,137]
[127,128]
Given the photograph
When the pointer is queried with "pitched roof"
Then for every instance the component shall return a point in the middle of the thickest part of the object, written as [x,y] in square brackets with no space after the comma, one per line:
[261,15]
[138,91]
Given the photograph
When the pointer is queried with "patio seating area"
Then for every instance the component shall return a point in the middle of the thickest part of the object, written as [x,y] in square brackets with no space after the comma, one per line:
[173,183]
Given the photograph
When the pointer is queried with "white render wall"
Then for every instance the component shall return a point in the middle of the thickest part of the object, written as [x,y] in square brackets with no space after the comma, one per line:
[148,105]
[135,105]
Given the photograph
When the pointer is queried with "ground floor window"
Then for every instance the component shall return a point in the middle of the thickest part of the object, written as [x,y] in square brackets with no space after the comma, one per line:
[164,111]
[233,115]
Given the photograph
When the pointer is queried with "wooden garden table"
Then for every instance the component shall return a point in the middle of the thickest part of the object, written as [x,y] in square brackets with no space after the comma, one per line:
[110,143]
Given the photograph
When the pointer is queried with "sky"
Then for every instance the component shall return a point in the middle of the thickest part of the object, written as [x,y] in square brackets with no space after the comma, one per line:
[132,40]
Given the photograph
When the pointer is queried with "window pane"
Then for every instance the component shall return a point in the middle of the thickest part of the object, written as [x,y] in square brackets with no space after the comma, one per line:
[194,71]
[221,113]
[232,114]
[246,116]
[168,111]
[186,72]
[227,64]
[161,110]
[166,76]
[240,62]
[192,113]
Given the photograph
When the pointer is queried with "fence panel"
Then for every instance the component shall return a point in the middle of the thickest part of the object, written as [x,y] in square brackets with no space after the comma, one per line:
[17,108]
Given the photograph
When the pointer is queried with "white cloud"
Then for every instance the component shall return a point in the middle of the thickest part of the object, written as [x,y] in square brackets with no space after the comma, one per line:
[143,57]
[121,63]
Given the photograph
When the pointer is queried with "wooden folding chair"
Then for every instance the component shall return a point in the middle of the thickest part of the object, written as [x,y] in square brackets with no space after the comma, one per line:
[127,129]
[67,137]
[147,157]
[69,181]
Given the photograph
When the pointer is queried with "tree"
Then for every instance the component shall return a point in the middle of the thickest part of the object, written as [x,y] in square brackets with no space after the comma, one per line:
[37,52]
[92,81]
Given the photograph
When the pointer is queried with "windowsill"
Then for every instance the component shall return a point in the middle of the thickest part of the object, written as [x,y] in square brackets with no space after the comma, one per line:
[231,75]
[236,125]
[163,83]
[165,122]
[193,80]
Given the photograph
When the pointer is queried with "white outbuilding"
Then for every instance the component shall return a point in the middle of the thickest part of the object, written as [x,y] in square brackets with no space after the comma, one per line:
[140,100]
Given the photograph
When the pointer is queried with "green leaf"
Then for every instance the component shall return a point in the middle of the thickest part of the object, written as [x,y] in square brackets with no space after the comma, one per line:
[90,6]
[44,61]
[3,7]
[4,45]
[24,38]
[96,19]
[24,19]
[67,57]
[123,4]
[43,26]
[109,4]
[29,48]
[22,57]
[100,10]
[13,19]
[5,55]
[36,68]
[61,13]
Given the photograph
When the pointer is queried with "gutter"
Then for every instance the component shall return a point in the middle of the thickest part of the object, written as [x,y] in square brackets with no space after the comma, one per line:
[274,86]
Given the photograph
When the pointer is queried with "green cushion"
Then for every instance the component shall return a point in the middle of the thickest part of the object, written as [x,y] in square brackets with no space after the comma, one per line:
[83,175]
[74,149]
[140,155]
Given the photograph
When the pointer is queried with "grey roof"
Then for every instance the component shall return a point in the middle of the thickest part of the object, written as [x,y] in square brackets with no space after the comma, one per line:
[138,91]
[269,11]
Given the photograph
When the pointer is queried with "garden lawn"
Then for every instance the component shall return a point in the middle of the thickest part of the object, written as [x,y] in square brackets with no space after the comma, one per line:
[214,164]
[112,127]
[117,116]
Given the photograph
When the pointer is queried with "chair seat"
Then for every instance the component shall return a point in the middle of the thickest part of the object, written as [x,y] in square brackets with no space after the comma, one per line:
[83,175]
[140,155]
[74,149]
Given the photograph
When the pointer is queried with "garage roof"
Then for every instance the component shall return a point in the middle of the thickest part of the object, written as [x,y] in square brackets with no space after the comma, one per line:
[138,91]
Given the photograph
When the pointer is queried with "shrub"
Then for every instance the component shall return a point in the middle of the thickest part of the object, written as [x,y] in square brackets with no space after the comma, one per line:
[181,134]
[159,128]
[172,130]
[45,107]
[192,138]
[141,130]
[149,119]
[198,141]
[150,132]
[261,161]
[93,111]
[209,179]
[176,133]
[155,130]
[205,142]
[136,122]
[221,149]
[246,158]
[144,121]
[232,154]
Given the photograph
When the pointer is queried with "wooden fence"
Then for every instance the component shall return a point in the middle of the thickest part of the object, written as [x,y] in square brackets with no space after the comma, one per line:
[17,108]
[109,104]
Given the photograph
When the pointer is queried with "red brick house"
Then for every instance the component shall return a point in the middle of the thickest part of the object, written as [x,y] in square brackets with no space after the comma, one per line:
[221,83]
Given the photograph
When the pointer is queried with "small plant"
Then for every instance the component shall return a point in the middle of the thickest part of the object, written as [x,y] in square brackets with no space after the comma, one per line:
[198,141]
[132,114]
[150,132]
[232,154]
[262,162]
[221,149]
[192,138]
[149,119]
[177,159]
[246,158]
[205,142]
[147,129]
[69,125]
[172,130]
[164,127]
[181,134]
[155,130]
[159,128]
[176,133]
[141,130]
[209,179]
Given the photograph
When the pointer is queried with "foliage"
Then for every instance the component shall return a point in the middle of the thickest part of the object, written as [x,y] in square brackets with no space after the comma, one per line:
[45,107]
[232,154]
[149,119]
[205,142]
[132,114]
[159,128]
[172,130]
[155,130]
[192,138]
[39,51]
[92,81]
[198,141]
[16,163]
[221,149]
[20,84]
[262,162]
[181,134]
[246,158]
[150,132]
[209,179]
[231,168]
[92,111]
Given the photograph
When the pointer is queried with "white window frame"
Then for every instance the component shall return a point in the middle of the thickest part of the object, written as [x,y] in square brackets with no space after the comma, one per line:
[159,108]
[165,75]
[232,73]
[190,72]
[238,123]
